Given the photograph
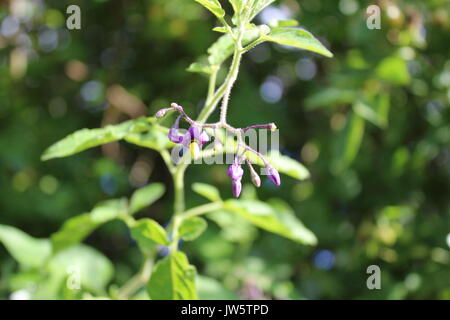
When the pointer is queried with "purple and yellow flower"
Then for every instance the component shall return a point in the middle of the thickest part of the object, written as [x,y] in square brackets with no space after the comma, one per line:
[193,139]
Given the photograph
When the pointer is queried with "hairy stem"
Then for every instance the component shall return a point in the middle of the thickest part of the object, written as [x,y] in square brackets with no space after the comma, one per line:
[231,79]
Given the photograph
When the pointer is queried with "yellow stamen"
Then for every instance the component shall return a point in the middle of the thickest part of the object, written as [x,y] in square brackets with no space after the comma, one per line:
[195,149]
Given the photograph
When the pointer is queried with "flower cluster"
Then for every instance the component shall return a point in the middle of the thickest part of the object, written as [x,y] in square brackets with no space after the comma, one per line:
[195,137]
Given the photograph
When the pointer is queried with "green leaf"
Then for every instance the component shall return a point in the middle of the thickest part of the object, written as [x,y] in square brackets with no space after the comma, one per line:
[283,23]
[94,269]
[213,6]
[87,138]
[206,190]
[211,289]
[278,219]
[155,138]
[298,38]
[220,29]
[394,71]
[192,228]
[76,229]
[145,196]
[377,116]
[330,97]
[200,66]
[73,231]
[258,6]
[349,142]
[173,278]
[108,210]
[237,5]
[148,232]
[26,250]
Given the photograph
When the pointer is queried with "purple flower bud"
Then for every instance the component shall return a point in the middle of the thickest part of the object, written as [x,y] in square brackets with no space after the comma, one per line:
[235,171]
[236,187]
[174,135]
[161,113]
[255,177]
[273,174]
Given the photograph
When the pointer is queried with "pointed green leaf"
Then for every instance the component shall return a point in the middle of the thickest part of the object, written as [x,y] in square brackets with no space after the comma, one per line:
[258,6]
[155,138]
[173,278]
[213,6]
[87,138]
[237,5]
[331,97]
[192,228]
[206,190]
[148,232]
[145,196]
[26,250]
[272,218]
[372,113]
[298,38]
[349,142]
[220,29]
[201,67]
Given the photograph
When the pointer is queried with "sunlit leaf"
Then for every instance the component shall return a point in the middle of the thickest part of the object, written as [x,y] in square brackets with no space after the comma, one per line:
[145,196]
[192,228]
[154,138]
[213,6]
[393,70]
[173,278]
[298,38]
[349,142]
[206,190]
[201,67]
[283,23]
[371,113]
[277,219]
[87,138]
[258,6]
[148,232]
[26,250]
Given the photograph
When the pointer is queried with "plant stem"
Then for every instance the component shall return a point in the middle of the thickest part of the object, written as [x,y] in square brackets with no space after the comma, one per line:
[201,210]
[179,204]
[137,281]
[232,76]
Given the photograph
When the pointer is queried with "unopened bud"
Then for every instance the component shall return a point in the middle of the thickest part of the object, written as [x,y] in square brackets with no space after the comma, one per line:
[161,113]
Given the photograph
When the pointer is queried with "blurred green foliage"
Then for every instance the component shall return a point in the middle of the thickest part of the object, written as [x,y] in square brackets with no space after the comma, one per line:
[371,125]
